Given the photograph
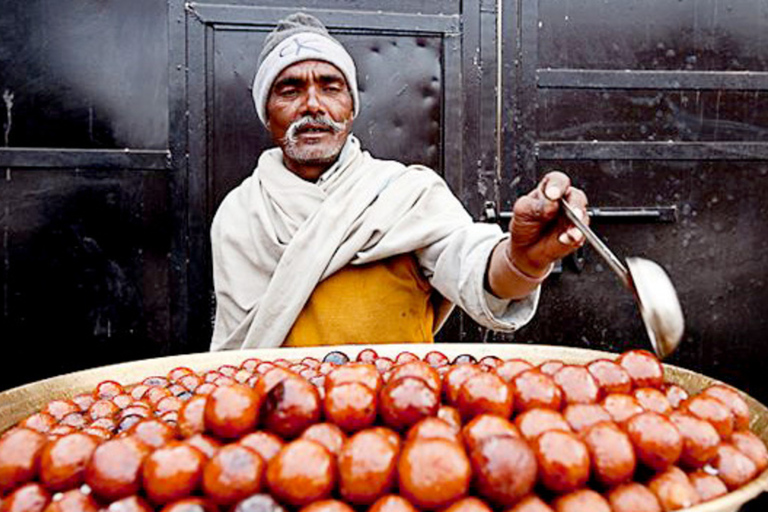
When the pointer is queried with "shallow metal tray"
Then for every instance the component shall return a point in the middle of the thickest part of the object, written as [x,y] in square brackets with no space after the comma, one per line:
[17,403]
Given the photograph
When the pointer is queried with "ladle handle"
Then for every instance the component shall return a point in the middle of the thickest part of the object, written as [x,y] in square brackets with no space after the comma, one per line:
[598,244]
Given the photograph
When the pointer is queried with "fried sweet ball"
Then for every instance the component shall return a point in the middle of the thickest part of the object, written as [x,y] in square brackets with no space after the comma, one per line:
[531,503]
[577,384]
[433,473]
[485,426]
[292,405]
[392,503]
[504,469]
[351,405]
[327,506]
[633,497]
[114,471]
[533,389]
[707,486]
[582,416]
[612,454]
[610,376]
[63,461]
[129,504]
[535,422]
[700,439]
[734,468]
[583,500]
[30,497]
[563,461]
[266,444]
[470,504]
[20,451]
[172,472]
[302,472]
[405,401]
[673,489]
[485,393]
[73,500]
[367,467]
[232,474]
[644,368]
[258,503]
[328,435]
[658,443]
[231,411]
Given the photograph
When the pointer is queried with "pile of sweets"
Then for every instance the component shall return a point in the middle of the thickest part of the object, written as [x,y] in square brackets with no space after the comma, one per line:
[385,435]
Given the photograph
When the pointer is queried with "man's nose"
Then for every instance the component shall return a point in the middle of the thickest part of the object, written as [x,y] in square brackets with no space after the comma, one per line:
[313,104]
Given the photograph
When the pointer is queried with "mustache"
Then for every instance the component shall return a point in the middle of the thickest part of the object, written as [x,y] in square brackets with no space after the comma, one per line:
[308,121]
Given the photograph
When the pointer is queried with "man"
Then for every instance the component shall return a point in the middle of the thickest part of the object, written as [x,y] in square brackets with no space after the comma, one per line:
[325,244]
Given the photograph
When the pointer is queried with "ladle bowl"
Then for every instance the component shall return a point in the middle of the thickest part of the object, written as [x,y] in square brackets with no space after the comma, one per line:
[649,283]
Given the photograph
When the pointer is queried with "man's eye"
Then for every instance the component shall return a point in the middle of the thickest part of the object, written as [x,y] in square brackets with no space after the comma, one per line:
[287,93]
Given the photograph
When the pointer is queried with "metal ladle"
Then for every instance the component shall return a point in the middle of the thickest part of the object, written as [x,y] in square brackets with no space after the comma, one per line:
[651,286]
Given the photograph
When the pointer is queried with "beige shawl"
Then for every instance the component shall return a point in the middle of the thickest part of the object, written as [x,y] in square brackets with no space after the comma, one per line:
[276,236]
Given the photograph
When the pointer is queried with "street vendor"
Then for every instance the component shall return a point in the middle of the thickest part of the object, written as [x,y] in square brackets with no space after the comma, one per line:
[325,244]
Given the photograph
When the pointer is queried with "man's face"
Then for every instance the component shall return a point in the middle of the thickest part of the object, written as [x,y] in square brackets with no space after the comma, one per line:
[309,114]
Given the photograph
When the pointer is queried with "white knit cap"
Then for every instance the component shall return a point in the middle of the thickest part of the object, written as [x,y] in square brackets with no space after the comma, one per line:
[299,46]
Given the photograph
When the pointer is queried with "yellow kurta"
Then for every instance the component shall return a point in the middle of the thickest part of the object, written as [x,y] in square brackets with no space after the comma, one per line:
[383,302]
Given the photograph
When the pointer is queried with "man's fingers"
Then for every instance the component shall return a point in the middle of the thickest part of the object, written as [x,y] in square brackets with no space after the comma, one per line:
[554,185]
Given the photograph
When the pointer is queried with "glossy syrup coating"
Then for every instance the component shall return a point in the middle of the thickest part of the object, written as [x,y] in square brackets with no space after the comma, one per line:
[207,445]
[708,487]
[327,506]
[302,472]
[610,376]
[290,407]
[582,416]
[232,474]
[485,393]
[673,489]
[327,434]
[352,406]
[405,401]
[733,467]
[258,503]
[73,500]
[734,401]
[535,389]
[63,461]
[190,505]
[533,423]
[266,444]
[153,432]
[612,454]
[485,426]
[392,503]
[172,472]
[191,416]
[367,467]
[504,469]
[563,461]
[433,427]
[657,441]
[712,410]
[420,370]
[751,446]
[469,504]
[363,373]
[114,470]
[577,384]
[454,378]
[433,473]
[633,497]
[531,503]
[675,394]
[450,415]
[644,368]
[30,497]
[621,407]
[583,500]
[511,368]
[129,504]
[231,411]
[652,399]
[700,439]
[20,451]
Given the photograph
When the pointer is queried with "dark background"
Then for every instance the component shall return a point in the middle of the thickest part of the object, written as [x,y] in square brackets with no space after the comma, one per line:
[125,123]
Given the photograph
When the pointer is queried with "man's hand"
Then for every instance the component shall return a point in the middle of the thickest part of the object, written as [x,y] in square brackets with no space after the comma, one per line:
[541,234]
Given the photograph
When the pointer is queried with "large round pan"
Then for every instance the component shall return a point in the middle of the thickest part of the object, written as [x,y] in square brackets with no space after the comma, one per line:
[18,403]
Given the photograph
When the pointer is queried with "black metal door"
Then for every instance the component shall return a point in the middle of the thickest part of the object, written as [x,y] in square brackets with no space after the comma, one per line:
[659,110]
